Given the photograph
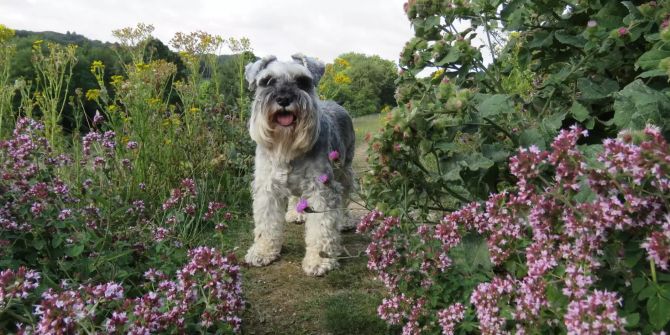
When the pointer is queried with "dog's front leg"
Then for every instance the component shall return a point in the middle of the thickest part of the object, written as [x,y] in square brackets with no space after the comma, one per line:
[269,210]
[322,238]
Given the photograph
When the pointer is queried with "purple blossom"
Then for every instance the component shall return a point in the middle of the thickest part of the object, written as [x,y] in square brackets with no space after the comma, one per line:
[334,155]
[301,206]
[97,118]
[323,179]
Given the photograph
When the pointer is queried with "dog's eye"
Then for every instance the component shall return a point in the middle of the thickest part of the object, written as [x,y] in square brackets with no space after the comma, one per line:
[304,83]
[267,81]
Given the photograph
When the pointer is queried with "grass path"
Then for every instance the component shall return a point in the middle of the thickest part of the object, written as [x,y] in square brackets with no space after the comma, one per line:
[283,300]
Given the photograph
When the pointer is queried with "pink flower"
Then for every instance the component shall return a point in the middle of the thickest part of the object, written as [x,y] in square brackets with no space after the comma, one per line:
[334,155]
[323,178]
[302,205]
[622,31]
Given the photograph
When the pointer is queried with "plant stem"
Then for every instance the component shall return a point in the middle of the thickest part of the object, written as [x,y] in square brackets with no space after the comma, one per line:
[652,267]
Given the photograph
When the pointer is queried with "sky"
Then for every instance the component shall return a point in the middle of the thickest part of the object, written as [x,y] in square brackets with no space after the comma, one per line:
[319,28]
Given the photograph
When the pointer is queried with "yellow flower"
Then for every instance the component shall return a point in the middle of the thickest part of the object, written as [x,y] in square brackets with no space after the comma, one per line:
[194,110]
[437,74]
[154,102]
[97,65]
[342,79]
[93,94]
[117,80]
[342,62]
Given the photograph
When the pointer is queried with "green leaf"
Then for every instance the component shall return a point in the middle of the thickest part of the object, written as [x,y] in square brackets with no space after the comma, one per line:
[650,59]
[638,284]
[453,174]
[595,91]
[532,136]
[632,320]
[541,39]
[495,104]
[658,309]
[570,39]
[652,73]
[579,112]
[452,56]
[637,104]
[646,293]
[553,122]
[477,161]
[75,250]
[495,151]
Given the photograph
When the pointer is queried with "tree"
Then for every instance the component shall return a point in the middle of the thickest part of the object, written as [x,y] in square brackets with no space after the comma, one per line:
[362,84]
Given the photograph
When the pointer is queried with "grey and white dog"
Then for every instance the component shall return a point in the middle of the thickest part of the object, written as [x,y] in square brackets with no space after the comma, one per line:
[298,137]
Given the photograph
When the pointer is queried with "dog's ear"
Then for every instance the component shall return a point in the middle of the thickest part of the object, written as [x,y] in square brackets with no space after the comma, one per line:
[252,70]
[315,66]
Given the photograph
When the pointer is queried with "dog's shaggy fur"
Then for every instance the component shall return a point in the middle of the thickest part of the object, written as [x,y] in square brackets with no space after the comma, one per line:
[295,132]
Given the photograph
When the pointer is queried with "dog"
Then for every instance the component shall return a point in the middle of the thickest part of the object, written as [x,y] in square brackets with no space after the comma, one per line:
[304,150]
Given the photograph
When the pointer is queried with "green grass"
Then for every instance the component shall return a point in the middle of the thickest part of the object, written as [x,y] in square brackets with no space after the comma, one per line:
[366,124]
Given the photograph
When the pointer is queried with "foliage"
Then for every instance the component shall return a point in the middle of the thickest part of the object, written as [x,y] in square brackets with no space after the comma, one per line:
[362,84]
[7,50]
[86,236]
[567,247]
[597,63]
[86,233]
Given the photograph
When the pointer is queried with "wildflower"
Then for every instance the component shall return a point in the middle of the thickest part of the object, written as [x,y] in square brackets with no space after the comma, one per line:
[212,208]
[301,206]
[449,317]
[93,94]
[323,179]
[334,155]
[595,314]
[591,24]
[622,31]
[132,145]
[17,284]
[64,214]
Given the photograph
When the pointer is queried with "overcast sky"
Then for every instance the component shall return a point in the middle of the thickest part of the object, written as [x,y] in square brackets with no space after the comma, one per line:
[321,28]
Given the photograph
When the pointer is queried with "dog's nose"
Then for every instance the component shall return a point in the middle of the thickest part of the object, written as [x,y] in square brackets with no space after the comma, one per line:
[284,100]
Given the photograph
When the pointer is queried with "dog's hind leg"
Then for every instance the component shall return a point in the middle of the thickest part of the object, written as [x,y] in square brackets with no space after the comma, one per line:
[269,210]
[322,239]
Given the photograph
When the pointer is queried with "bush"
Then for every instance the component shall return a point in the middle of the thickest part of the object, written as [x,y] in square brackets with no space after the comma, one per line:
[579,246]
[601,64]
[95,235]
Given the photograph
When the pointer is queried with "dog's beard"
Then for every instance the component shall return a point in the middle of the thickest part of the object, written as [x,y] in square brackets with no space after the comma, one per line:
[287,132]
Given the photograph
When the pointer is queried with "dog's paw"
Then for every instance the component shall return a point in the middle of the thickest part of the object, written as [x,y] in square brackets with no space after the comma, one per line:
[292,216]
[260,256]
[317,265]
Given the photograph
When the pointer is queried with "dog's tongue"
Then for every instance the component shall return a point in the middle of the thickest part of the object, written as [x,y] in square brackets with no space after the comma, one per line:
[285,119]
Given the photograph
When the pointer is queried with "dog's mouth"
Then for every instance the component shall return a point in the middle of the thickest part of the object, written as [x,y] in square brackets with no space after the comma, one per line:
[284,118]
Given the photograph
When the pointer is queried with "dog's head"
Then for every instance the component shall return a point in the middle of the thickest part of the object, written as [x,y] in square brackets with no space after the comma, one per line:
[284,114]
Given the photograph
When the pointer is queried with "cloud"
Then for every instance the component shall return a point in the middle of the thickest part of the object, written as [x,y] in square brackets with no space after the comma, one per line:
[323,29]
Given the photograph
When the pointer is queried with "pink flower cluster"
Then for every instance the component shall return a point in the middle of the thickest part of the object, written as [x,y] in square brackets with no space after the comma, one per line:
[547,226]
[207,289]
[17,284]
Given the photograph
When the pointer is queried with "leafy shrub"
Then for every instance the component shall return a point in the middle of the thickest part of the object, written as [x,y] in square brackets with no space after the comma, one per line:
[579,246]
[94,233]
[83,234]
[597,63]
